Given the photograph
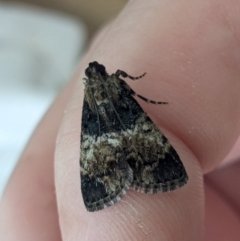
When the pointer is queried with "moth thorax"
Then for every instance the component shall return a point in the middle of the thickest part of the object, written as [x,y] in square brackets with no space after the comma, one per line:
[100,95]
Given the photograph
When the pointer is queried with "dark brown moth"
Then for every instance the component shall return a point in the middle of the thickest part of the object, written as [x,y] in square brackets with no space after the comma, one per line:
[120,146]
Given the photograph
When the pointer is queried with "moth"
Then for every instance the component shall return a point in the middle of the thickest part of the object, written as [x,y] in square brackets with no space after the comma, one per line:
[120,145]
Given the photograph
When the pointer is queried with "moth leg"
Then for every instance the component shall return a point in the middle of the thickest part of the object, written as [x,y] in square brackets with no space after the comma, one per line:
[125,75]
[133,93]
[147,100]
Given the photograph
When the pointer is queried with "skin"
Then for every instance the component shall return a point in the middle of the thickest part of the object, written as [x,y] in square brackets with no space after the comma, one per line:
[191,53]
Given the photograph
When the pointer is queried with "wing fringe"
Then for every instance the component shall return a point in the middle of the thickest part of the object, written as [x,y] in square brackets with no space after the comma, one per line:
[113,197]
[159,187]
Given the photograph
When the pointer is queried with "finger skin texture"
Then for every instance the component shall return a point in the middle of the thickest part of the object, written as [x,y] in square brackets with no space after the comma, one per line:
[28,206]
[190,51]
[223,203]
[234,155]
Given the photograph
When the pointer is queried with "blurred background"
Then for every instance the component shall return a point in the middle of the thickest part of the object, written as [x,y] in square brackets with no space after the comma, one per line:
[41,42]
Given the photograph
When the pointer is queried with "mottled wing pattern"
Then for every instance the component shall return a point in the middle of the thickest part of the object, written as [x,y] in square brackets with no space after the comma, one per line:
[105,173]
[120,146]
[155,164]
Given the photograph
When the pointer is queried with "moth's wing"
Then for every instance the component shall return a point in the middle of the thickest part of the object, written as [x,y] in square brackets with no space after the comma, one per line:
[156,165]
[105,173]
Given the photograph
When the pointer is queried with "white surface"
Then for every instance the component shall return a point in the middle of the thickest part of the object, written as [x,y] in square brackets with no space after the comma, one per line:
[38,52]
[47,43]
[18,119]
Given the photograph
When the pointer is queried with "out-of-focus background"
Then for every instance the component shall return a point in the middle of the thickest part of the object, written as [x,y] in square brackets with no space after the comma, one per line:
[41,42]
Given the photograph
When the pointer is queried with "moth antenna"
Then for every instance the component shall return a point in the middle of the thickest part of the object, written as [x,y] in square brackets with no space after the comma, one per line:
[149,101]
[125,75]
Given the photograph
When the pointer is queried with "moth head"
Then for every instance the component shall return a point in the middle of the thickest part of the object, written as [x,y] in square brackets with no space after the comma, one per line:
[95,69]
